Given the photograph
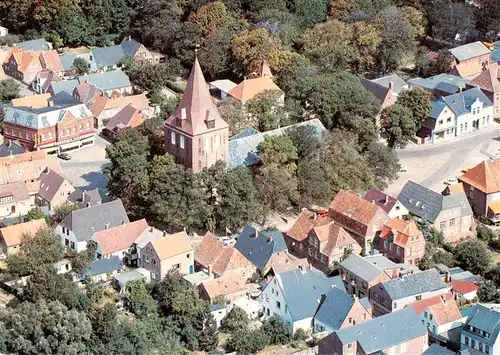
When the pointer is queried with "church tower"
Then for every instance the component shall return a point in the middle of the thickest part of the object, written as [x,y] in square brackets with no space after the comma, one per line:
[195,134]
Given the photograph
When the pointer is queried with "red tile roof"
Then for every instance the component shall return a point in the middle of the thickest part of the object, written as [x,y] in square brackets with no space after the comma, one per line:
[229,259]
[335,237]
[420,306]
[400,231]
[305,222]
[485,176]
[445,312]
[381,199]
[463,286]
[250,88]
[12,235]
[120,237]
[208,250]
[224,285]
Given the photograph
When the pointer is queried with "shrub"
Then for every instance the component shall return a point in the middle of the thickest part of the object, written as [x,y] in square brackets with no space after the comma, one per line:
[279,332]
[247,342]
[236,320]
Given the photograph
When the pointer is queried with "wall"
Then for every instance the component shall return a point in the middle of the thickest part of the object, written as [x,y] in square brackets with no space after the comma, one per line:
[495,349]
[186,261]
[21,208]
[477,199]
[398,211]
[62,194]
[449,230]
[446,122]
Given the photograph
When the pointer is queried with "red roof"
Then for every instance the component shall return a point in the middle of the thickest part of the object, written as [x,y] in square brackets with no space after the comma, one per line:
[306,221]
[463,286]
[445,312]
[381,199]
[484,176]
[120,237]
[422,305]
[400,231]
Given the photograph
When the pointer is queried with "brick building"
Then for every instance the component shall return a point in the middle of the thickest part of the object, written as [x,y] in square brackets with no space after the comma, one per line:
[402,241]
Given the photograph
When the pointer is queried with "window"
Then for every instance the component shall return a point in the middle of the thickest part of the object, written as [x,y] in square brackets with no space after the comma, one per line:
[154,262]
[434,329]
[67,231]
[430,316]
[466,126]
[153,275]
[286,309]
[278,304]
[386,244]
[268,312]
[310,252]
[395,305]
[87,125]
[473,343]
[188,256]
[349,346]
[182,141]
[172,138]
[72,245]
[391,246]
[418,298]
[442,225]
[480,345]
[448,119]
[440,122]
[486,349]
[398,250]
[66,241]
[363,316]
[74,129]
[64,230]
[452,222]
[349,320]
[461,128]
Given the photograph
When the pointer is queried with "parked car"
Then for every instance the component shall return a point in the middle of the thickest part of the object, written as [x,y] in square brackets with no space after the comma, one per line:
[64,156]
[403,169]
[451,181]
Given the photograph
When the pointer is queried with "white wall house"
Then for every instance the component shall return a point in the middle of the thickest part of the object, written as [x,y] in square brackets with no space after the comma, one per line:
[437,323]
[69,239]
[481,330]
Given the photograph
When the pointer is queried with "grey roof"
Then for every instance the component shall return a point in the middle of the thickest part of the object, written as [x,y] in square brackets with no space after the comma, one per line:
[39,44]
[385,331]
[436,108]
[438,82]
[398,83]
[435,349]
[302,290]
[50,183]
[66,86]
[107,80]
[461,102]
[258,247]
[334,309]
[9,147]
[361,268]
[365,302]
[243,150]
[102,266]
[86,221]
[110,56]
[421,201]
[67,60]
[469,50]
[413,285]
[486,319]
[88,198]
[457,199]
[130,46]
[131,275]
[379,91]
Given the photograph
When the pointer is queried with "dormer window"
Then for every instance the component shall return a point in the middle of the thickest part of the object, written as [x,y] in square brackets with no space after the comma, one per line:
[211,124]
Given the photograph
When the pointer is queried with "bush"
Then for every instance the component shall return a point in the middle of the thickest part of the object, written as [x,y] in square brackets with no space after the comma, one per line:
[247,342]
[300,335]
[473,255]
[495,245]
[279,332]
[486,234]
[236,320]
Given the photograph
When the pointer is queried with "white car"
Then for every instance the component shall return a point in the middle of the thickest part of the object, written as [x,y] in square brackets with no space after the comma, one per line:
[403,169]
[451,181]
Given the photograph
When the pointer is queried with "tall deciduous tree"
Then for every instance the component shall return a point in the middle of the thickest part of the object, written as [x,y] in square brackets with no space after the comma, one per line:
[451,20]
[235,320]
[418,101]
[398,125]
[9,90]
[138,299]
[473,255]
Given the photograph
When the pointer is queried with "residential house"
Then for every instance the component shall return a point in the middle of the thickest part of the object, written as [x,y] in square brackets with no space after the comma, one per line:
[136,274]
[482,188]
[15,200]
[24,65]
[10,147]
[86,93]
[450,214]
[148,235]
[66,86]
[470,59]
[218,312]
[389,204]
[54,189]
[79,226]
[464,290]
[88,198]
[338,310]
[39,44]
[62,124]
[399,333]
[111,82]
[231,287]
[11,237]
[43,81]
[293,296]
[480,331]
[457,114]
[195,134]
[391,295]
[489,82]
[220,260]
[448,274]
[173,252]
[102,270]
[440,85]
[402,242]
[262,249]
[27,168]
[67,60]
[220,88]
[128,117]
[117,241]
[362,219]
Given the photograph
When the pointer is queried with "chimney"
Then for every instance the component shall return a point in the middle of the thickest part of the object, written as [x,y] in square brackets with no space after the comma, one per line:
[315,216]
[459,89]
[209,270]
[151,229]
[443,299]
[164,233]
[106,226]
[269,240]
[129,38]
[391,85]
[386,199]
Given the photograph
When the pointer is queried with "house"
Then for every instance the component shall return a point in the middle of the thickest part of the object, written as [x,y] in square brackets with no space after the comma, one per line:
[111,82]
[117,241]
[220,88]
[66,86]
[293,296]
[399,333]
[464,290]
[11,237]
[480,331]
[488,81]
[102,270]
[262,249]
[128,117]
[39,44]
[43,81]
[435,349]
[457,114]
[148,235]
[362,219]
[15,200]
[125,277]
[482,188]
[173,252]
[86,93]
[231,287]
[391,295]
[195,134]
[389,204]
[220,260]
[88,198]
[10,147]
[338,310]
[440,85]
[54,189]
[24,65]
[218,312]
[456,273]
[402,242]
[61,124]
[79,226]
[450,214]
[27,168]
[470,59]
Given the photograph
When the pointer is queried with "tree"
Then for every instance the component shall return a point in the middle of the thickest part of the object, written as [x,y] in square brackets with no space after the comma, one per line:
[340,9]
[366,39]
[61,211]
[210,17]
[279,331]
[71,25]
[83,259]
[81,66]
[450,21]
[488,19]
[494,275]
[422,62]
[418,101]
[442,63]
[310,12]
[34,214]
[247,342]
[432,236]
[488,292]
[313,185]
[417,20]
[486,234]
[306,140]
[266,110]
[383,162]
[9,90]
[473,255]
[138,299]
[236,320]
[45,328]
[444,257]
[398,125]
[209,335]
[153,77]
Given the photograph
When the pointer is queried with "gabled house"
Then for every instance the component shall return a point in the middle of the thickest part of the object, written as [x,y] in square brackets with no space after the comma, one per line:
[470,59]
[43,80]
[128,117]
[402,242]
[86,93]
[391,295]
[79,226]
[88,198]
[440,85]
[39,44]
[450,214]
[111,82]
[54,189]
[101,270]
[15,200]
[362,219]
[399,333]
[10,147]
[231,287]
[489,82]
[464,290]
[480,333]
[11,237]
[66,86]
[389,204]
[293,296]
[25,65]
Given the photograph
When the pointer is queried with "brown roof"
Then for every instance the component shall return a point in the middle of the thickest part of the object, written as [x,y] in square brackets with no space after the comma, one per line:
[355,213]
[463,286]
[208,250]
[291,264]
[305,222]
[17,190]
[453,189]
[120,237]
[381,199]
[250,88]
[87,92]
[51,60]
[445,312]
[400,231]
[229,259]
[468,68]
[50,183]
[102,103]
[422,305]
[485,176]
[335,237]
[12,235]
[488,79]
[35,101]
[224,285]
[26,60]
[129,116]
[172,245]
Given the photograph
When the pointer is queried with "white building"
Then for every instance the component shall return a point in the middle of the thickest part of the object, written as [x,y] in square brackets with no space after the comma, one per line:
[480,331]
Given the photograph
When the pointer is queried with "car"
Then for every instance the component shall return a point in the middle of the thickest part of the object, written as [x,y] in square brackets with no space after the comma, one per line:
[64,156]
[403,169]
[451,181]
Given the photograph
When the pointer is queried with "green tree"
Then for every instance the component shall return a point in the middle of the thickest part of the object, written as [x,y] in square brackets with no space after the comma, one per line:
[9,90]
[488,292]
[418,101]
[474,256]
[432,236]
[449,20]
[81,66]
[83,259]
[366,39]
[422,62]
[306,140]
[444,257]
[398,125]
[442,63]
[488,19]
[266,110]
[313,185]
[494,275]
[210,17]
[486,234]
[209,338]
[279,331]
[236,320]
[34,214]
[310,12]
[138,299]
[72,27]
[61,211]
[383,162]
[247,342]
[154,77]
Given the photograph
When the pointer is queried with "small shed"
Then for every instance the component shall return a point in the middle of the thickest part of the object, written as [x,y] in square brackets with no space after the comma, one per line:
[102,269]
[123,278]
[221,88]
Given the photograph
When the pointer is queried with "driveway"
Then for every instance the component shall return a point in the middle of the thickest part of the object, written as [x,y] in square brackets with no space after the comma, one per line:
[84,170]
[430,165]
